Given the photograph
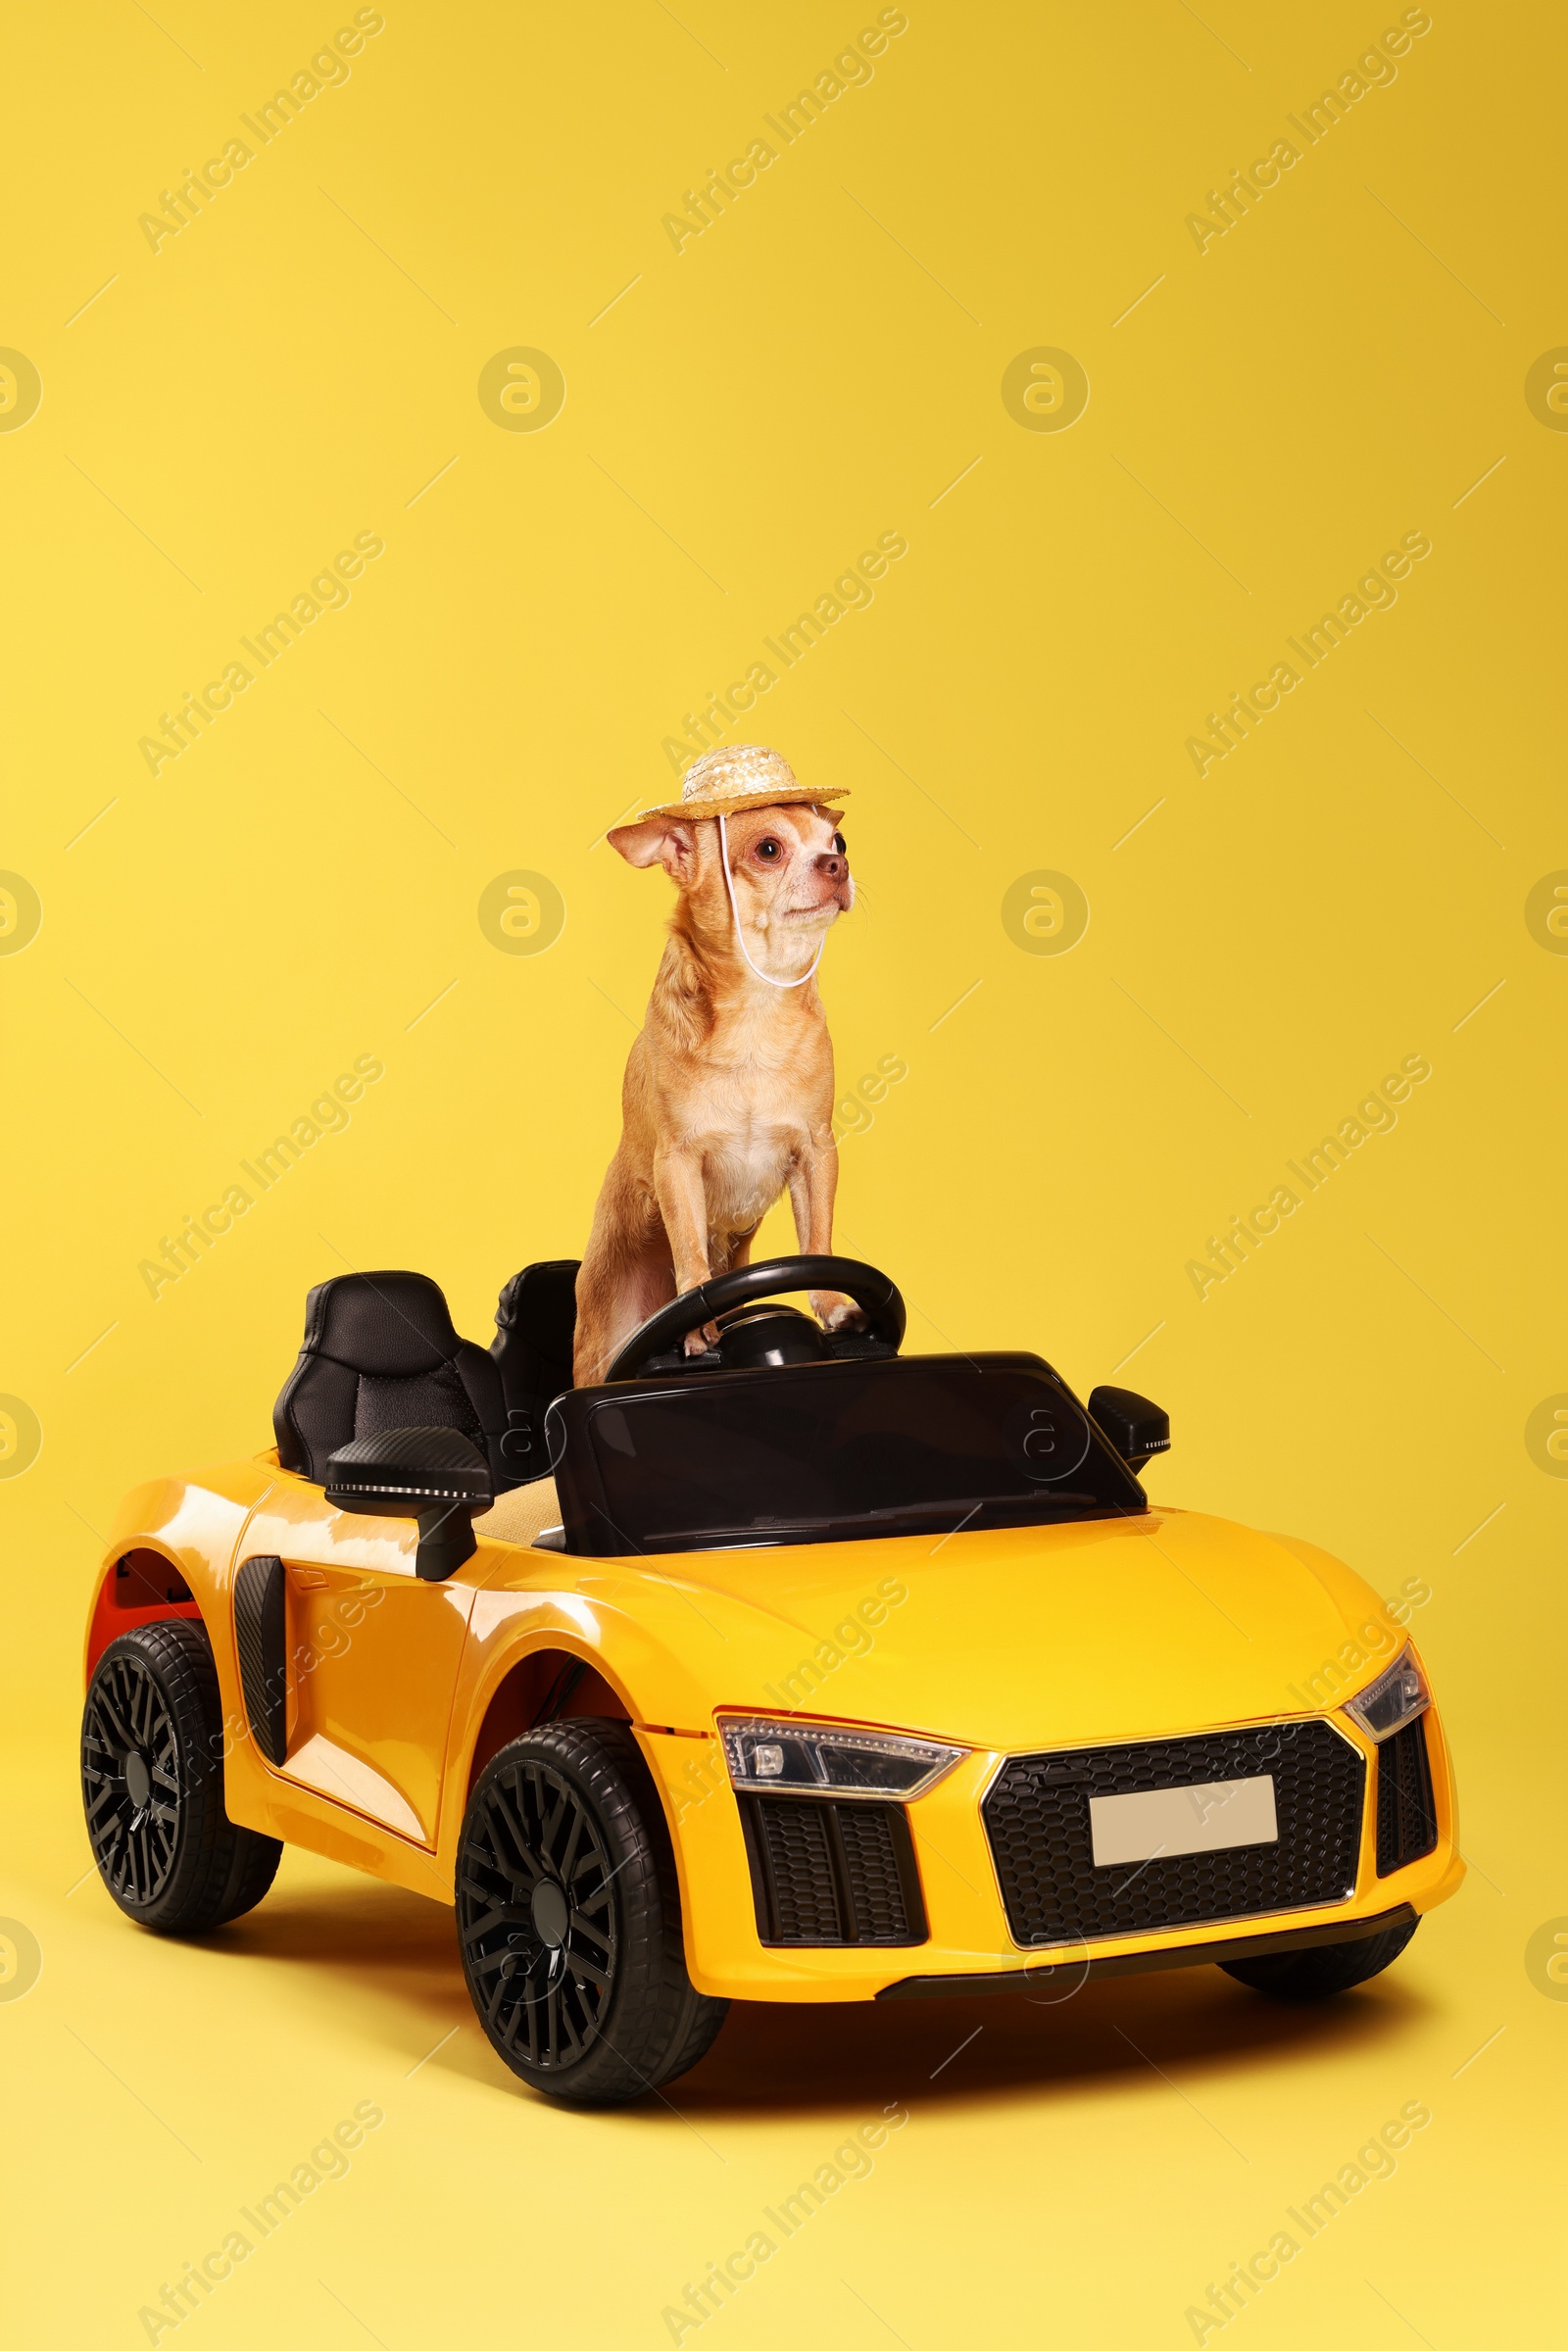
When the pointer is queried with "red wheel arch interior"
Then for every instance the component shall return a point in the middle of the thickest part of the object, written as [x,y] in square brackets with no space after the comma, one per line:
[545,1686]
[142,1587]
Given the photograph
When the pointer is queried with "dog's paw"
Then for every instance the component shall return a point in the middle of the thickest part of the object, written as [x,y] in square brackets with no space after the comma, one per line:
[698,1342]
[836,1312]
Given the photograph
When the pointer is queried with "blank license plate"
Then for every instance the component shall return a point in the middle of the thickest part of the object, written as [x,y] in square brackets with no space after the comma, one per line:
[1182,1820]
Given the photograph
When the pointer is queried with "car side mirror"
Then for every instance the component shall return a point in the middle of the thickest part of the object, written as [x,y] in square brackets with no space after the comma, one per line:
[1138,1428]
[433,1475]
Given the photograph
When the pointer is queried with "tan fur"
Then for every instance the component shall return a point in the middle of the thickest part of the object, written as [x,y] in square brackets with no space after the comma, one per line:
[728,1093]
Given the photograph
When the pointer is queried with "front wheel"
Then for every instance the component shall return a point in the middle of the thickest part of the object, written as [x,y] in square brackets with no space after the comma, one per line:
[1316,1974]
[568,1919]
[152,1785]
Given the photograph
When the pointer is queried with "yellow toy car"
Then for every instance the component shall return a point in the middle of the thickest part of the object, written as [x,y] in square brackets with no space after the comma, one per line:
[799,1670]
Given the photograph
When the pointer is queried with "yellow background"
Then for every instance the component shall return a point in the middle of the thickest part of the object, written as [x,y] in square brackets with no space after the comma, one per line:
[297,889]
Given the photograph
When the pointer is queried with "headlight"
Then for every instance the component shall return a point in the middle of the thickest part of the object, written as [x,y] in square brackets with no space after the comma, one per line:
[820,1759]
[1394,1700]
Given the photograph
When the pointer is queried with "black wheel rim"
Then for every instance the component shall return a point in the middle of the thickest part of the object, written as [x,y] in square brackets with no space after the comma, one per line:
[536,1912]
[131,1780]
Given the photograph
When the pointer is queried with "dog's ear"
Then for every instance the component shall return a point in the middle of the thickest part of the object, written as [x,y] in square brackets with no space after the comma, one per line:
[659,841]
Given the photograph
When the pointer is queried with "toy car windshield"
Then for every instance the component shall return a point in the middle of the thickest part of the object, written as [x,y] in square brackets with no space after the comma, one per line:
[829,1452]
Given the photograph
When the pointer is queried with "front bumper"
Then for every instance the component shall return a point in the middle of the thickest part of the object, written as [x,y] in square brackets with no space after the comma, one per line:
[969,1944]
[1060,1979]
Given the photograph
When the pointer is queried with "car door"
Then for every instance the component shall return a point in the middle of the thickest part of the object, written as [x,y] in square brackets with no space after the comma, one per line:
[349,1661]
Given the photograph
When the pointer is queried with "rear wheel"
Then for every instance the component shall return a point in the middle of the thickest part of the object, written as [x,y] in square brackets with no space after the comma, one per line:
[568,1919]
[152,1785]
[1316,1974]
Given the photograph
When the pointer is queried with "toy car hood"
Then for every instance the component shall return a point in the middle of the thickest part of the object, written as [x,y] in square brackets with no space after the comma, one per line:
[1005,1638]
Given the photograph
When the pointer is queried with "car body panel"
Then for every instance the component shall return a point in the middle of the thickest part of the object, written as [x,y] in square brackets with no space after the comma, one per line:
[1003,1641]
[377,1651]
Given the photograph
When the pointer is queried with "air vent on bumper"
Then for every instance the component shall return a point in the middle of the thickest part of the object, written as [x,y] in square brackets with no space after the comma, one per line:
[827,1873]
[1408,1825]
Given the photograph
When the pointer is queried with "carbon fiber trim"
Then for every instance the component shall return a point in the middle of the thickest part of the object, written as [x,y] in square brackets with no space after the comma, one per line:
[261,1639]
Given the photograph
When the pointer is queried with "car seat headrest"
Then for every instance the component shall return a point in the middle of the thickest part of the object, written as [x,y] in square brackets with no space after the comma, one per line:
[394,1325]
[380,1354]
[538,1309]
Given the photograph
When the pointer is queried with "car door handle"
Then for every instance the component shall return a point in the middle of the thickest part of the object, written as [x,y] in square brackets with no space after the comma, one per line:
[308,1578]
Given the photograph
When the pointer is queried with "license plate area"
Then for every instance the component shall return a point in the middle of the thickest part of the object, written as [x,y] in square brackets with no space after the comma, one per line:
[1211,1817]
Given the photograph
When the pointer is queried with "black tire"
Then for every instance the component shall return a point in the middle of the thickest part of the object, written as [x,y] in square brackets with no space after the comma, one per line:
[1319,1973]
[568,1919]
[152,1785]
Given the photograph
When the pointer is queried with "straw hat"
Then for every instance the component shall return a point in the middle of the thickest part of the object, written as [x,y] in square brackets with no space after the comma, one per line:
[743,777]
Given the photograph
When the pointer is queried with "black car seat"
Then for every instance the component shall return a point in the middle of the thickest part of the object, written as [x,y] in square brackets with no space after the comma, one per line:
[536,1321]
[380,1354]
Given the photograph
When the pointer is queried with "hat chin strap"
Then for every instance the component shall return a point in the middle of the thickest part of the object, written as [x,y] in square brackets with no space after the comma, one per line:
[740,935]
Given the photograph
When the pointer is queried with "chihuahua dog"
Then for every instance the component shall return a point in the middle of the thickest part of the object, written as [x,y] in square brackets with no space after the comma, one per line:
[728,1092]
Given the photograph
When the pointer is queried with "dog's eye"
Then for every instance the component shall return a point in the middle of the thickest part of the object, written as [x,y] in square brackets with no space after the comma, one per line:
[768,849]
[841,845]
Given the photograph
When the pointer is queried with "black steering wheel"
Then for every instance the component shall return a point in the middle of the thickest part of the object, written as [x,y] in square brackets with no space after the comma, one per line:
[878,1298]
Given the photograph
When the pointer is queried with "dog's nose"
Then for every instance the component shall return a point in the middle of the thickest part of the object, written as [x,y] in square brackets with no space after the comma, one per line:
[832,867]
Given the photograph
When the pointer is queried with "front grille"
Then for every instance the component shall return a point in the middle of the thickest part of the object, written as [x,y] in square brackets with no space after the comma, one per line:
[1037,1819]
[826,1873]
[1408,1825]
